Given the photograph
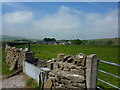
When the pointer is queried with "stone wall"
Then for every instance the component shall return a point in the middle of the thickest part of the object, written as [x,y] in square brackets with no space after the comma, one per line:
[15,56]
[66,71]
[69,71]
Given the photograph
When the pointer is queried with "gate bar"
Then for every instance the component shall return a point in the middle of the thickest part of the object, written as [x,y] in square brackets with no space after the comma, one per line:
[99,88]
[109,73]
[108,83]
[109,63]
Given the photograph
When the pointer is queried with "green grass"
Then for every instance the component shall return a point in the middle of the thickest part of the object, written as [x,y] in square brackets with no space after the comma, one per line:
[5,67]
[105,52]
[31,82]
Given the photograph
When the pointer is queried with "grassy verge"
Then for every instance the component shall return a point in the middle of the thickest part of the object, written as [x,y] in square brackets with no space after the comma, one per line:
[32,83]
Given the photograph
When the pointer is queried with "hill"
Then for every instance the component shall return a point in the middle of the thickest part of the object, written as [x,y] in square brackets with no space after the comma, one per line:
[10,38]
[106,41]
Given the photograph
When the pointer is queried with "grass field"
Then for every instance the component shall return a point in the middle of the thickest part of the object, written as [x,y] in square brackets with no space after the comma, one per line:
[104,52]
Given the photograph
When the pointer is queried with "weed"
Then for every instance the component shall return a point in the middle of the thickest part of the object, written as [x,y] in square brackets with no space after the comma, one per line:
[31,82]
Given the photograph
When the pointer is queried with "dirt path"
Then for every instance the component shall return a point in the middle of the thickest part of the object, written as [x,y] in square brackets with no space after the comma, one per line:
[17,81]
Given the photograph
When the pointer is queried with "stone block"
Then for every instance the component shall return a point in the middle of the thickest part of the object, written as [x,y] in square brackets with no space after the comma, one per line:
[13,55]
[66,69]
[50,65]
[70,87]
[51,74]
[48,84]
[74,71]
[65,81]
[59,87]
[76,77]
[80,59]
[70,60]
[12,65]
[55,65]
[75,62]
[81,85]
[60,56]
[73,66]
[52,79]
[65,58]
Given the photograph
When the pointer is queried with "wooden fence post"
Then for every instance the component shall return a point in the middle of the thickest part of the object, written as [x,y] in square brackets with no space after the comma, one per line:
[91,71]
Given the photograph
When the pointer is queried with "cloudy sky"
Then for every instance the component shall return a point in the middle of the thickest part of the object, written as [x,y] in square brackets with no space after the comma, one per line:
[60,20]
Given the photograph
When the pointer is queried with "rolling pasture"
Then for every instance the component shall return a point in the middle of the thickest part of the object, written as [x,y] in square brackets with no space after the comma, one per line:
[104,52]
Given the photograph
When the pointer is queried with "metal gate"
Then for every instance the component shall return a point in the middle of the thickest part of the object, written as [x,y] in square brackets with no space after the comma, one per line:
[109,63]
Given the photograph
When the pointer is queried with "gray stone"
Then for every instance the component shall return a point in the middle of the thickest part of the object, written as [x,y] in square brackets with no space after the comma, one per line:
[65,81]
[66,69]
[76,77]
[59,87]
[70,87]
[60,56]
[70,60]
[75,62]
[56,84]
[70,72]
[61,75]
[74,71]
[80,58]
[52,79]
[82,85]
[55,65]
[51,74]
[13,55]
[73,67]
[13,64]
[65,58]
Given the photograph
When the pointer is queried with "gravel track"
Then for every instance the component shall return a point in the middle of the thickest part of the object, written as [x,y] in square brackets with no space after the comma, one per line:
[17,81]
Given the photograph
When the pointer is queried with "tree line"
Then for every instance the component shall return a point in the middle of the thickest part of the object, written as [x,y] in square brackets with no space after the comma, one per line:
[84,42]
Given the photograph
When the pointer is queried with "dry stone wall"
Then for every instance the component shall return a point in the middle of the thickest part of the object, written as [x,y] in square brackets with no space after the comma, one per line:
[66,71]
[69,71]
[15,56]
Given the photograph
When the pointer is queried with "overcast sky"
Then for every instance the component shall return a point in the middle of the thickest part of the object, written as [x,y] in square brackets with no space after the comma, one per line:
[63,20]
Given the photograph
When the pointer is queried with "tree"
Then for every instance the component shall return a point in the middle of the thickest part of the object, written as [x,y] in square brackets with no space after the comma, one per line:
[49,39]
[92,42]
[45,39]
[84,42]
[76,41]
[110,42]
[53,39]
